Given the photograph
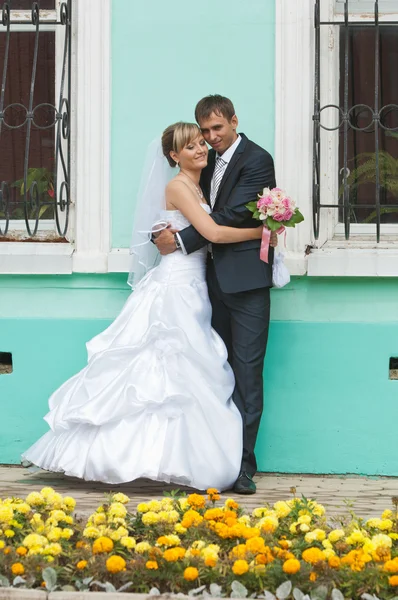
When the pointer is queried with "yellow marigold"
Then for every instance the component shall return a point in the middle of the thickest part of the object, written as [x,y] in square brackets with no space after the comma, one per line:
[238,551]
[17,569]
[35,499]
[179,528]
[183,502]
[2,544]
[82,564]
[304,528]
[393,536]
[68,503]
[213,514]
[381,540]
[174,554]
[393,580]
[231,504]
[313,555]
[91,532]
[34,539]
[122,498]
[387,514]
[196,500]
[318,509]
[117,509]
[102,544]
[313,576]
[128,542]
[191,573]
[282,509]
[356,537]
[260,512]
[293,528]
[142,507]
[244,520]
[21,551]
[9,533]
[334,562]
[269,524]
[304,520]
[118,534]
[53,549]
[115,564]
[291,566]
[167,503]
[381,524]
[22,508]
[142,547]
[151,565]
[6,514]
[336,535]
[150,518]
[240,567]
[255,545]
[66,533]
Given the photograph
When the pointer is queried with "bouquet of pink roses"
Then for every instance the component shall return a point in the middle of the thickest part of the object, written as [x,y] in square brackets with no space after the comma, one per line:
[277,211]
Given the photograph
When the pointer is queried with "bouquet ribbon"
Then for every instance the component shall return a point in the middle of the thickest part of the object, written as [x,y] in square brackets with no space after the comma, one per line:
[265,240]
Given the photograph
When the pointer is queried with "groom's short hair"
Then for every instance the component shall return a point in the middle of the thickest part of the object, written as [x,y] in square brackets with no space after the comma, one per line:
[219,105]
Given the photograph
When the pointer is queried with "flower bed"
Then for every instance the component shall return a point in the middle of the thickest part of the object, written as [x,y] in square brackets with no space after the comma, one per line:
[197,544]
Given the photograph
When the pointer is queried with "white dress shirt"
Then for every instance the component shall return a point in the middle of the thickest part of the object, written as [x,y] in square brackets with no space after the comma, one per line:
[228,154]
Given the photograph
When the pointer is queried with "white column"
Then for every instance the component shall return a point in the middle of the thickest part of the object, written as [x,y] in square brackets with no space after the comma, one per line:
[294,70]
[91,99]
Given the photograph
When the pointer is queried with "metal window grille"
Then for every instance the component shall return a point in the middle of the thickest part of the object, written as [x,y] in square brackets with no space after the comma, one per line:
[41,188]
[372,173]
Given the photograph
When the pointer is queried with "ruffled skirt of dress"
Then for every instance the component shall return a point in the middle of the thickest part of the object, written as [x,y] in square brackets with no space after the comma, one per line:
[154,400]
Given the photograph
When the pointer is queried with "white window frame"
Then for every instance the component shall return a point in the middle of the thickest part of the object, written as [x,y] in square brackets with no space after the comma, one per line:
[331,255]
[89,231]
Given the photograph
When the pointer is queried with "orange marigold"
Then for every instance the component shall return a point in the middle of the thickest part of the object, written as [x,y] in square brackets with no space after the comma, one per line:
[391,566]
[191,518]
[291,566]
[152,565]
[17,569]
[313,555]
[213,494]
[115,564]
[21,550]
[102,544]
[334,562]
[196,500]
[231,504]
[313,576]
[212,514]
[82,564]
[393,580]
[173,554]
[238,551]
[191,573]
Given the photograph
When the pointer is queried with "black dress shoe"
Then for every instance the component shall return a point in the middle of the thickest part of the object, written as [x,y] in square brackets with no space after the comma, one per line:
[244,484]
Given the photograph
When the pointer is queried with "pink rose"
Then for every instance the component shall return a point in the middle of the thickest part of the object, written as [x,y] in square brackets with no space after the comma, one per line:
[278,216]
[286,203]
[288,215]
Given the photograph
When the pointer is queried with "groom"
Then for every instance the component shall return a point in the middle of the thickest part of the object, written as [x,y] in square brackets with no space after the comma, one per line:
[238,281]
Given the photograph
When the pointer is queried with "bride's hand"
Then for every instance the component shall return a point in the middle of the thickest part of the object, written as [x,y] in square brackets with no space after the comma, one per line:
[274,239]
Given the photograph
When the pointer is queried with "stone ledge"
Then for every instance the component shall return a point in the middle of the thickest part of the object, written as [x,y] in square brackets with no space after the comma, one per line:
[22,594]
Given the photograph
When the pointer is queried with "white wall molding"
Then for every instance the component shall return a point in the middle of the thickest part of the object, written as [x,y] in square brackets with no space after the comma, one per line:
[92,119]
[36,258]
[293,116]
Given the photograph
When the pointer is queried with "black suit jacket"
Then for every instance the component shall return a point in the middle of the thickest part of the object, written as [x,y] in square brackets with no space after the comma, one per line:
[238,266]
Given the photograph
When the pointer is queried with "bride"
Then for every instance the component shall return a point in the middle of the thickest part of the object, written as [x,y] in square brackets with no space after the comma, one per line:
[155,399]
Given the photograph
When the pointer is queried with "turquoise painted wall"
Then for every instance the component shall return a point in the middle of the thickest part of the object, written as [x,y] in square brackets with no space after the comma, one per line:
[329,405]
[168,55]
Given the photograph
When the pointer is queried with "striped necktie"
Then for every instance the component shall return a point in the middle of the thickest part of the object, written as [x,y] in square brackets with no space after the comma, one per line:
[218,174]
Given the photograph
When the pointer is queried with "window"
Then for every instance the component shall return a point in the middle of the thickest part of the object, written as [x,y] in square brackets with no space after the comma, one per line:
[35,57]
[355,167]
[73,185]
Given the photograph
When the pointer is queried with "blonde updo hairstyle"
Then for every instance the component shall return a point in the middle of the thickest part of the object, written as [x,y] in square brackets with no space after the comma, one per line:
[176,137]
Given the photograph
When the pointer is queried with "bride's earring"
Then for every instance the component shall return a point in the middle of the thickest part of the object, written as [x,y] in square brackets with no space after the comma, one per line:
[177,165]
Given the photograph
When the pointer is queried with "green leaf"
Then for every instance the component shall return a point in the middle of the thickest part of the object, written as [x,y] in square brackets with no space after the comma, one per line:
[297,217]
[283,591]
[50,578]
[272,225]
[4,581]
[252,206]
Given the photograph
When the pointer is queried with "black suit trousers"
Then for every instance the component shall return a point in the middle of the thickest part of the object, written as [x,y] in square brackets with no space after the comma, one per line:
[242,321]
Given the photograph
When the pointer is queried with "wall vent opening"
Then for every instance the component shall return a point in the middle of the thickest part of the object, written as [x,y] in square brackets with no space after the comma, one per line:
[5,363]
[393,368]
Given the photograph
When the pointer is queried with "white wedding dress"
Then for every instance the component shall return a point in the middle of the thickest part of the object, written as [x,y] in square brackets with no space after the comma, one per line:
[154,400]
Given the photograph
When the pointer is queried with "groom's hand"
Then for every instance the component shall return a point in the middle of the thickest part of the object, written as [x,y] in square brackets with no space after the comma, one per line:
[165,241]
[274,239]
